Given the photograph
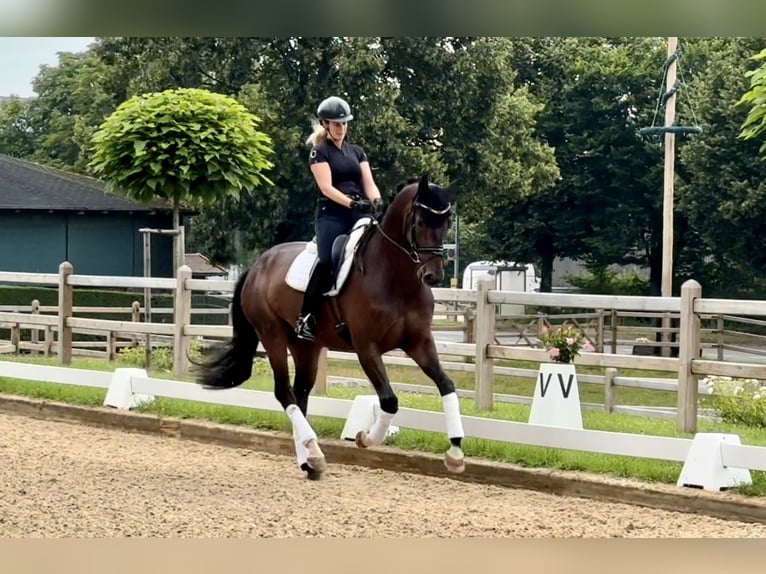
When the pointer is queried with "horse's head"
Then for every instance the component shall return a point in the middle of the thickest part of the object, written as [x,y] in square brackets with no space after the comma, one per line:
[424,211]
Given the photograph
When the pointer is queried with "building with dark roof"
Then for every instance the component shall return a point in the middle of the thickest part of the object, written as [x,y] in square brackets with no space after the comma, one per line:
[202,268]
[48,216]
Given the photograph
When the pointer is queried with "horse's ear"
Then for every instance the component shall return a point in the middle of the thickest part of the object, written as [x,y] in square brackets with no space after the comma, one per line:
[423,185]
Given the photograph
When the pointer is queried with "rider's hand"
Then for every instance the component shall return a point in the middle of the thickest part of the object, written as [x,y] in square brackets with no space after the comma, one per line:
[377,206]
[362,205]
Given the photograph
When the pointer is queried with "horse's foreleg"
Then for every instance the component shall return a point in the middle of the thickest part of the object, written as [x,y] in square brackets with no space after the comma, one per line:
[305,358]
[373,366]
[424,354]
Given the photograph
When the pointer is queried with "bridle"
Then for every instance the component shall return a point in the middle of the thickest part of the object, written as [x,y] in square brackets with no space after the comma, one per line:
[412,249]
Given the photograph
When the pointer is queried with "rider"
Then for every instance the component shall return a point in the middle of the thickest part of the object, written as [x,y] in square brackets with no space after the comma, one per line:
[348,192]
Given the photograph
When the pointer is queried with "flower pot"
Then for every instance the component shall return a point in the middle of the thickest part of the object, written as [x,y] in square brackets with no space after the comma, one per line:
[556,401]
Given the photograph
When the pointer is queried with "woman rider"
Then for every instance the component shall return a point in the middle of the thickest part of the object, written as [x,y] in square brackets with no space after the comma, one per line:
[348,192]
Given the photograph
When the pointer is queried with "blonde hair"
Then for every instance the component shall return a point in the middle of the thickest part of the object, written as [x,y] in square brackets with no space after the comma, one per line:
[318,135]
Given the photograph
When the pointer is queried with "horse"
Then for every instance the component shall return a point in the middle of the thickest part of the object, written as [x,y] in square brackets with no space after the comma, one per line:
[385,303]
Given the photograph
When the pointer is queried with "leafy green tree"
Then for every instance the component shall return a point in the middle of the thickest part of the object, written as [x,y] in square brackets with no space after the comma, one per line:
[291,77]
[185,145]
[17,138]
[722,183]
[461,96]
[606,205]
[72,102]
[755,122]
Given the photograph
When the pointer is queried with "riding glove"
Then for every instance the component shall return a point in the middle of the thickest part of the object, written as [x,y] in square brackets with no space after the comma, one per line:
[363,205]
[377,206]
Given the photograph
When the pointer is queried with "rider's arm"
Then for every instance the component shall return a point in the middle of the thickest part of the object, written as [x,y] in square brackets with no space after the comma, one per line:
[370,187]
[323,177]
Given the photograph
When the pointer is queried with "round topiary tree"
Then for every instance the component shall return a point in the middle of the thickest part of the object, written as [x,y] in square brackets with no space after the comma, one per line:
[184,146]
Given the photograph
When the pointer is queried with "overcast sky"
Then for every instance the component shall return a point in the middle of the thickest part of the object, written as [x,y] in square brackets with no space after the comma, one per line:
[21,58]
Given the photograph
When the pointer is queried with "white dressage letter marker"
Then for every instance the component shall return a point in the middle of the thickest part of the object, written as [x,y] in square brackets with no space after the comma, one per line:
[556,401]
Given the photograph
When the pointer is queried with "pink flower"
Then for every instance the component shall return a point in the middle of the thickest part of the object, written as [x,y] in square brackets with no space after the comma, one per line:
[554,352]
[570,341]
[544,330]
[588,347]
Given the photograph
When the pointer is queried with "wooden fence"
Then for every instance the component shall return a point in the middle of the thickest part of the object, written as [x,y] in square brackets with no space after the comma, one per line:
[484,352]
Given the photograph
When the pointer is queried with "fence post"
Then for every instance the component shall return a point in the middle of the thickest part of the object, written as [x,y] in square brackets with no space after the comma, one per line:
[614,331]
[720,325]
[181,318]
[689,349]
[111,345]
[610,391]
[16,338]
[600,331]
[469,324]
[65,312]
[320,383]
[485,335]
[34,335]
[135,317]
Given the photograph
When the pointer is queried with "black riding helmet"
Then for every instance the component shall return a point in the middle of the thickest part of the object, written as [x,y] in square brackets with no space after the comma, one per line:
[334,109]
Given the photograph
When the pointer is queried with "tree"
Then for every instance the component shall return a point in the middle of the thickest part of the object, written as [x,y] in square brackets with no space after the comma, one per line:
[16,132]
[72,101]
[184,145]
[755,122]
[606,205]
[461,97]
[721,181]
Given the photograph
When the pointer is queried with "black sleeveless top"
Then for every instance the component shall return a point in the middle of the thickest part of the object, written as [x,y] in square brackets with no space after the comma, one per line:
[344,165]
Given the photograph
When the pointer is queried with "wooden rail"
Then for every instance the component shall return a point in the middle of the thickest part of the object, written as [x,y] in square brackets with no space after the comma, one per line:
[481,349]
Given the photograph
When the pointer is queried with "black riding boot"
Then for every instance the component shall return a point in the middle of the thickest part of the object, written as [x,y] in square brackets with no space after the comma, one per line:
[319,283]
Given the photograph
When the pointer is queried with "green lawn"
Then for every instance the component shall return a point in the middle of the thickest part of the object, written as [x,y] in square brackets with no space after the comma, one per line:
[617,466]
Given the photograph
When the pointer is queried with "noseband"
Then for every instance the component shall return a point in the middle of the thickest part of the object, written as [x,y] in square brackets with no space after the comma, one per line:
[412,249]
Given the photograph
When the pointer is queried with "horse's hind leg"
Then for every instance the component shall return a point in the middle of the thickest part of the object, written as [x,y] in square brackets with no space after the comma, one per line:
[306,360]
[423,352]
[310,458]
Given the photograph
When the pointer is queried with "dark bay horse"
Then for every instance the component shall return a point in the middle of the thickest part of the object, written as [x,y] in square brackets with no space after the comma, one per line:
[386,303]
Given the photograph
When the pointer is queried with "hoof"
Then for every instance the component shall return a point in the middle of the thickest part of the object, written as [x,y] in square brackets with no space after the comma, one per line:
[311,473]
[361,437]
[318,464]
[316,459]
[454,460]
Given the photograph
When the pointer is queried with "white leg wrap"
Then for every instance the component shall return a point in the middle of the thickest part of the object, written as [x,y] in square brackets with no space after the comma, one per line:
[452,414]
[301,452]
[302,431]
[379,428]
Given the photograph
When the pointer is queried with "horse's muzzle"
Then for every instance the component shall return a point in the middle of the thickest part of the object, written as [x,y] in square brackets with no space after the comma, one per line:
[430,278]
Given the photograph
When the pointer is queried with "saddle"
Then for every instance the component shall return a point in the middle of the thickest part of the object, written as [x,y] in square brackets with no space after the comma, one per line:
[343,251]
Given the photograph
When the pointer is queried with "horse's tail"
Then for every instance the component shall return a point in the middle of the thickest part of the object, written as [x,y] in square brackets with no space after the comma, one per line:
[232,363]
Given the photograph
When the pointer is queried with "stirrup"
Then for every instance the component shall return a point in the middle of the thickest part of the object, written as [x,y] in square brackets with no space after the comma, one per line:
[304,330]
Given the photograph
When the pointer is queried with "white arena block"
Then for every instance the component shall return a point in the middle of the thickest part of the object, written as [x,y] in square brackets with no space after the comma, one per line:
[704,467]
[363,413]
[556,401]
[120,393]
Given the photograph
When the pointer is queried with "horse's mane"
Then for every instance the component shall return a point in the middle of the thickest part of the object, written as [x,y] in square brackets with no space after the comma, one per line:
[371,229]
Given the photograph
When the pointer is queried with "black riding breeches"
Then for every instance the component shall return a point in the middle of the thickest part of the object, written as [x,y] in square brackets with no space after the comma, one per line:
[332,220]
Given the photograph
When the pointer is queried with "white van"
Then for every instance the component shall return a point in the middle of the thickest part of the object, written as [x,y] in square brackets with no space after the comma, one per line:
[508,276]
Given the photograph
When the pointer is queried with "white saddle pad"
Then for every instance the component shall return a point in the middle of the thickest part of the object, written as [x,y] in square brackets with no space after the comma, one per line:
[300,270]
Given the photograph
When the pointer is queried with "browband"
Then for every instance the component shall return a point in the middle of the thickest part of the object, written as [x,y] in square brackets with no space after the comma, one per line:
[432,210]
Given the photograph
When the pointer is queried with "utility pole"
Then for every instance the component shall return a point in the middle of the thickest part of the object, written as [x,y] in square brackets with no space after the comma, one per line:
[668,200]
[670,145]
